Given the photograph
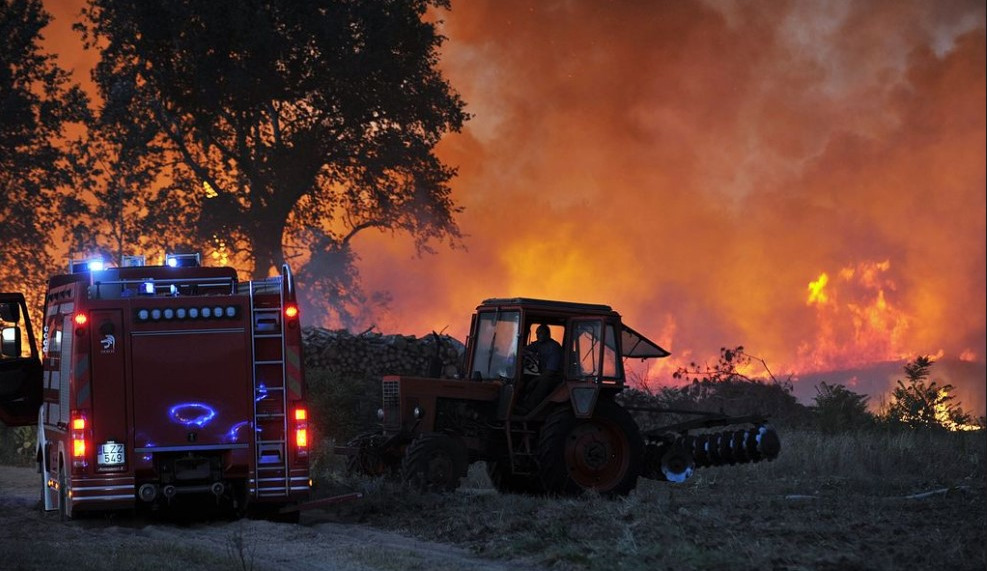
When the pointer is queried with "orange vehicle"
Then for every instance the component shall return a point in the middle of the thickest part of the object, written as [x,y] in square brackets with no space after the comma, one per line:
[157,385]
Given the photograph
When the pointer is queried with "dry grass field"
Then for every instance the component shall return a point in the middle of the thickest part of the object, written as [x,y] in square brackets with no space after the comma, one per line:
[869,500]
[875,500]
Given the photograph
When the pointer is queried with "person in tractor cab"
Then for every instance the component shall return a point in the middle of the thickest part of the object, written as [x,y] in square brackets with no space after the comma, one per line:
[546,353]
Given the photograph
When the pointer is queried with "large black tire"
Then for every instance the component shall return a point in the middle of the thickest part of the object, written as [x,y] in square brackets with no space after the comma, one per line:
[63,495]
[602,453]
[507,483]
[434,462]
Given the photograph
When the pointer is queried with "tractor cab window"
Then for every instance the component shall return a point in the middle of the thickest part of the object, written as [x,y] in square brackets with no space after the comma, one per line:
[593,351]
[496,345]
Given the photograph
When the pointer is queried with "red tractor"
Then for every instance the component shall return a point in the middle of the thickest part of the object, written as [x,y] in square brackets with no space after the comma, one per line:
[559,431]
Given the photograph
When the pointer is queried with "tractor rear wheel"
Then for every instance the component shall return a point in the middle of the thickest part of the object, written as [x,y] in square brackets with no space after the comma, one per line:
[434,462]
[602,453]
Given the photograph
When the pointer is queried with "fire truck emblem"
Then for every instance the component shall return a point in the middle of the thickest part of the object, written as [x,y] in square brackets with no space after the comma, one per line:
[109,343]
[192,414]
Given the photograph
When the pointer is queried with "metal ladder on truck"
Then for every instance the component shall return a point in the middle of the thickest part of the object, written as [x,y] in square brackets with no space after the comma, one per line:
[270,473]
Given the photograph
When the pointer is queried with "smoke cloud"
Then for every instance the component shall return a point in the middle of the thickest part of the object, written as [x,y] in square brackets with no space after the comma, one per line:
[698,165]
[805,179]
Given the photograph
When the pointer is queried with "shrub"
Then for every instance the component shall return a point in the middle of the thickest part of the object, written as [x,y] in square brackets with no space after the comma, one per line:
[839,409]
[919,404]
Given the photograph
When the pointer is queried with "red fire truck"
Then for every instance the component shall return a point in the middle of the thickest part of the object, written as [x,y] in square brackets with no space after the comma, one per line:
[162,384]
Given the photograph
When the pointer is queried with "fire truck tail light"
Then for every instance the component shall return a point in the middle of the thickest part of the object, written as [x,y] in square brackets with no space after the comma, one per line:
[301,430]
[291,311]
[80,436]
[78,447]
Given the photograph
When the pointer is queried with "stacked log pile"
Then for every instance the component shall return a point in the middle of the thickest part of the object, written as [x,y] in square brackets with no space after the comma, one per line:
[373,355]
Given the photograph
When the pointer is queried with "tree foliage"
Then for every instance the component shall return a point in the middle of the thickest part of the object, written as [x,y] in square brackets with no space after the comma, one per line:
[291,126]
[37,103]
[917,402]
[839,409]
[727,387]
[122,211]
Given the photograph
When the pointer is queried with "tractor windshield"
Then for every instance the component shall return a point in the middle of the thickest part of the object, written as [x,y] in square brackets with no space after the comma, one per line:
[496,345]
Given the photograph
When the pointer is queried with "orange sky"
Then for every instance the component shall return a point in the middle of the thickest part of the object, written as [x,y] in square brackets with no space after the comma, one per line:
[806,179]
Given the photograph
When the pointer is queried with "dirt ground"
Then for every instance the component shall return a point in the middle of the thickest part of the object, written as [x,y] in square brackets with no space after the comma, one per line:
[31,539]
[731,518]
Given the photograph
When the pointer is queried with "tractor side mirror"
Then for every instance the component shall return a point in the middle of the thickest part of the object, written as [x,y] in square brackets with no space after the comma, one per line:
[10,346]
[10,312]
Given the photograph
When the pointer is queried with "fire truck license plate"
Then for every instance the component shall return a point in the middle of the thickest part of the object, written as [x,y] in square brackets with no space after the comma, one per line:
[110,454]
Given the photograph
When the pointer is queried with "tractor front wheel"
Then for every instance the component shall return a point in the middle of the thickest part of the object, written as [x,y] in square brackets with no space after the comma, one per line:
[434,462]
[602,453]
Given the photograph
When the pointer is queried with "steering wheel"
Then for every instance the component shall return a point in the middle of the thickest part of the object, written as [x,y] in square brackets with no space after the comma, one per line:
[530,362]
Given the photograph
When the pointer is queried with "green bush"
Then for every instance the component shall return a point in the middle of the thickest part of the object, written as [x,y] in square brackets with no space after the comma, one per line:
[342,405]
[17,445]
[839,409]
[918,404]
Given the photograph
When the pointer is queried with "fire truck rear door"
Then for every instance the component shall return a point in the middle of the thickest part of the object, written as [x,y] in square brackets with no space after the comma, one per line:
[109,390]
[191,388]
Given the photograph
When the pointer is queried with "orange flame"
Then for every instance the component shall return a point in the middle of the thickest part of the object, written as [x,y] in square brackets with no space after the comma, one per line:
[618,156]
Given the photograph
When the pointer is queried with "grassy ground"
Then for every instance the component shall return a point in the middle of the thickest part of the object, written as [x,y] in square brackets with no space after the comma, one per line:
[874,500]
[871,500]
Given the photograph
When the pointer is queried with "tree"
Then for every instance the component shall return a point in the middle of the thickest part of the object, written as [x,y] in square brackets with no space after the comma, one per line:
[726,387]
[839,409]
[37,104]
[916,403]
[294,126]
[122,211]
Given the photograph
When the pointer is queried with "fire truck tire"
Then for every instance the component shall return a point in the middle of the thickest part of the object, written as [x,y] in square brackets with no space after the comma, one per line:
[64,514]
[434,462]
[507,483]
[602,453]
[239,499]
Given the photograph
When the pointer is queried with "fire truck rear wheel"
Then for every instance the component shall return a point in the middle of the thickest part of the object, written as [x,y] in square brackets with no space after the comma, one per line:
[63,496]
[434,462]
[602,453]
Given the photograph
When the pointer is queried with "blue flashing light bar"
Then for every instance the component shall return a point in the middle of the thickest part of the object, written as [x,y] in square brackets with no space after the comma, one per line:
[182,260]
[91,265]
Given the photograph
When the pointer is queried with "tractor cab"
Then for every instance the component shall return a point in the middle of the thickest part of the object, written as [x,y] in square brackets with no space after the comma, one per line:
[591,339]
